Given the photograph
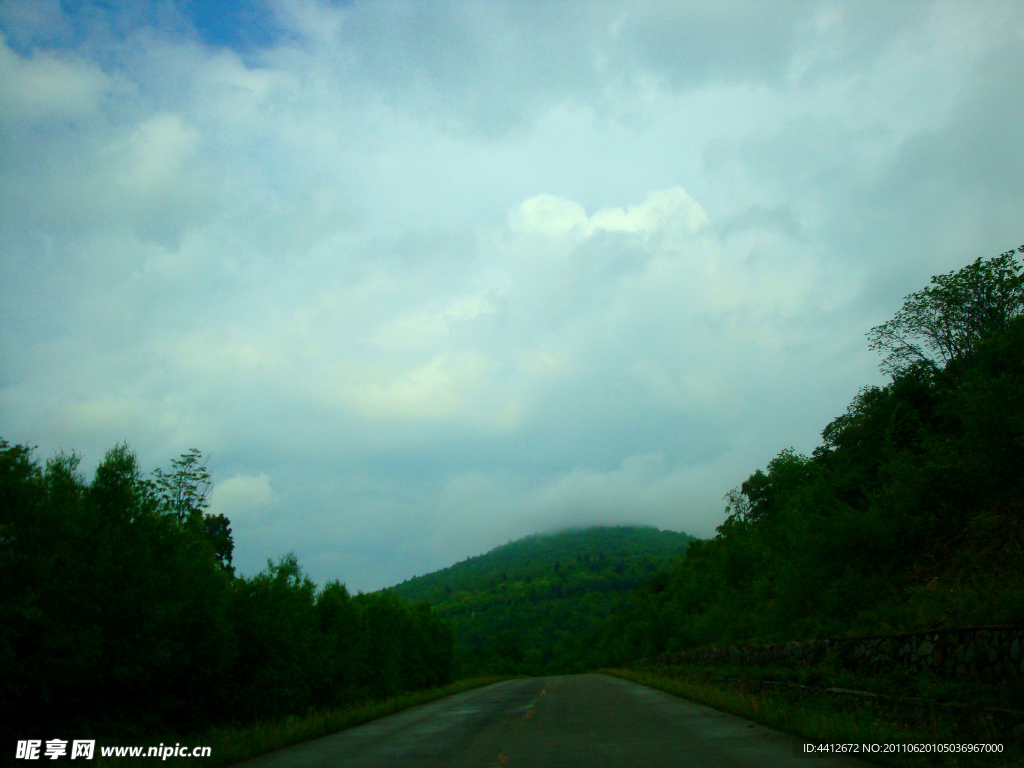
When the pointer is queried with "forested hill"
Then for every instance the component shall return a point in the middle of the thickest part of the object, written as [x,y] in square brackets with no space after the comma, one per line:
[524,605]
[909,516]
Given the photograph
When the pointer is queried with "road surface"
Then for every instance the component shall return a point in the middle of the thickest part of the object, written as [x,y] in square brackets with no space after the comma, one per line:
[576,721]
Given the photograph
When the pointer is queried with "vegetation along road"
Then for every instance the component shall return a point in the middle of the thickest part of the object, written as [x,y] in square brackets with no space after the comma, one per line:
[573,720]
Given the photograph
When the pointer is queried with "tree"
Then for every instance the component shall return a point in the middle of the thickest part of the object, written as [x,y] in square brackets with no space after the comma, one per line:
[217,529]
[940,326]
[182,491]
[761,494]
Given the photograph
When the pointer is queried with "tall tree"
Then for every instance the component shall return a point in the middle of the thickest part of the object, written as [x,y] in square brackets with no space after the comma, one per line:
[182,494]
[941,325]
[183,490]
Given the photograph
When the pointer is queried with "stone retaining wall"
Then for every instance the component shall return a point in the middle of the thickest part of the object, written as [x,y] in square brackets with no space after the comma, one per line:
[990,655]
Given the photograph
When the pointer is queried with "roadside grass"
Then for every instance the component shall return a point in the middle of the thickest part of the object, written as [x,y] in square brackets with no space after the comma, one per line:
[826,719]
[236,743]
[902,682]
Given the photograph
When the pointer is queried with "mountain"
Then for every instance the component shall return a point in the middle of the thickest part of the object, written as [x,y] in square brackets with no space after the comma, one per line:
[528,605]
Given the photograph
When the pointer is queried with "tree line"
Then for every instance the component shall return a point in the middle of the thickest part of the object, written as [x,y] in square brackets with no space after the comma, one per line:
[909,515]
[121,613]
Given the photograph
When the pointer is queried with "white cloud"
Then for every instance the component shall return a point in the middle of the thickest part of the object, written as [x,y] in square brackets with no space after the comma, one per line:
[441,388]
[547,215]
[242,498]
[155,153]
[553,216]
[420,329]
[43,86]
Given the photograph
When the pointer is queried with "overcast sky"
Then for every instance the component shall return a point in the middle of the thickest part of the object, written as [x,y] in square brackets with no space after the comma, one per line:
[421,277]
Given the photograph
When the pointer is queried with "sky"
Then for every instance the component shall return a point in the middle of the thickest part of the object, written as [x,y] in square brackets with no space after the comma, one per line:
[419,278]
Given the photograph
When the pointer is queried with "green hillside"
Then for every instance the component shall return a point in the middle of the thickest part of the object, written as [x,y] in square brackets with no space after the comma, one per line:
[526,605]
[908,517]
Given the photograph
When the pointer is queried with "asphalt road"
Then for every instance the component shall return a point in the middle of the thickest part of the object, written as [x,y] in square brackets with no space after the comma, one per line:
[594,721]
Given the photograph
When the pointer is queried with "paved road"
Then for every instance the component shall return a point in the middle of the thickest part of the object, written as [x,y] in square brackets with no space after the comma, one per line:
[591,721]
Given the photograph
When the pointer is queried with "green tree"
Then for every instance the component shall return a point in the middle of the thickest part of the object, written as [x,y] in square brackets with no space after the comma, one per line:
[274,618]
[762,493]
[941,325]
[838,543]
[182,492]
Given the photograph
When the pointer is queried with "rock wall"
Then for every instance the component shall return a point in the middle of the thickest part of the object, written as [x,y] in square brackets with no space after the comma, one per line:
[991,655]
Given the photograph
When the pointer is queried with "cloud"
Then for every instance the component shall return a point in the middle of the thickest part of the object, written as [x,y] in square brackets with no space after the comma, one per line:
[155,153]
[439,389]
[43,19]
[552,216]
[47,87]
[418,329]
[478,511]
[242,498]
[450,273]
[548,215]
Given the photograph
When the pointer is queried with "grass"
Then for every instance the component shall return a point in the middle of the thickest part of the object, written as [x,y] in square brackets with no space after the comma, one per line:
[824,719]
[899,682]
[234,744]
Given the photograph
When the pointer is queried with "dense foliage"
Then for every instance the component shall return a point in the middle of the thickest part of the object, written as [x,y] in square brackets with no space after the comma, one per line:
[527,606]
[910,514]
[120,613]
